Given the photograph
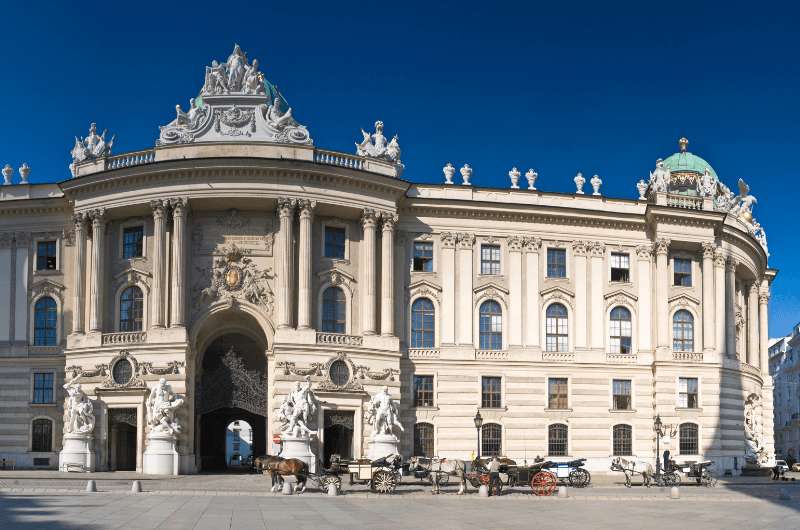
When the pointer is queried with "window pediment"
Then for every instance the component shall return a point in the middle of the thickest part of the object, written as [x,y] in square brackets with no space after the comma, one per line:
[557,291]
[47,288]
[336,276]
[683,300]
[424,288]
[490,290]
[620,297]
[132,276]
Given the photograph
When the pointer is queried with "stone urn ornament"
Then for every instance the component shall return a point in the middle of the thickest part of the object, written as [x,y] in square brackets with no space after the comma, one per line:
[7,172]
[596,182]
[466,174]
[579,182]
[514,176]
[24,171]
[641,186]
[531,175]
[449,171]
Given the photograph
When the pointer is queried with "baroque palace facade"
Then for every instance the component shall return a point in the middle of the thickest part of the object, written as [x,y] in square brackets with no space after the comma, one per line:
[236,259]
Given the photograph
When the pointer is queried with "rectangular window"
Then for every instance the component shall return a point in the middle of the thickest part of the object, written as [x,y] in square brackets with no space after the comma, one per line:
[335,237]
[682,271]
[132,240]
[620,267]
[490,259]
[46,256]
[43,387]
[622,394]
[423,256]
[423,390]
[556,263]
[687,392]
[490,393]
[557,393]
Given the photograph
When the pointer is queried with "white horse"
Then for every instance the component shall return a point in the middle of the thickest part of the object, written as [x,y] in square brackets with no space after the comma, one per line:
[436,466]
[631,467]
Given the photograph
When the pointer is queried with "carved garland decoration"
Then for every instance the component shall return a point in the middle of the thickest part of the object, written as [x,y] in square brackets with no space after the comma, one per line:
[135,381]
[138,371]
[351,384]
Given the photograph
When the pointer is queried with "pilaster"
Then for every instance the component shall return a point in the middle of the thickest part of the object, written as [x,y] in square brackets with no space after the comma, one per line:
[389,221]
[286,208]
[662,291]
[579,249]
[159,234]
[98,266]
[752,325]
[597,325]
[708,297]
[644,273]
[79,272]
[515,290]
[178,305]
[719,301]
[730,308]
[464,303]
[447,244]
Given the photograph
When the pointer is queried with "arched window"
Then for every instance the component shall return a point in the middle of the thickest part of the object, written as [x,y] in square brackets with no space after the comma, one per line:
[423,324]
[688,439]
[557,328]
[334,310]
[45,322]
[620,330]
[42,436]
[682,331]
[557,440]
[131,309]
[423,440]
[491,439]
[491,326]
[623,440]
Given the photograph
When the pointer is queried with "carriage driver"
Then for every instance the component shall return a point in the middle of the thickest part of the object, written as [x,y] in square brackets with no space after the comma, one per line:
[494,472]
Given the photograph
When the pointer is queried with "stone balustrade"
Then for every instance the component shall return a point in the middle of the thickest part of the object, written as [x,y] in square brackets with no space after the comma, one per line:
[687,356]
[129,337]
[339,339]
[333,158]
[136,158]
[558,356]
[423,353]
[622,358]
[491,355]
[685,201]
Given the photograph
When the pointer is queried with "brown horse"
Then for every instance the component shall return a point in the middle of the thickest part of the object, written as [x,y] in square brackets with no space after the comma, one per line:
[278,467]
[260,463]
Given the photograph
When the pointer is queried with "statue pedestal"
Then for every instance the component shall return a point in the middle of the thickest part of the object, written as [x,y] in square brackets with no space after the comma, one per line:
[160,456]
[78,453]
[383,445]
[299,447]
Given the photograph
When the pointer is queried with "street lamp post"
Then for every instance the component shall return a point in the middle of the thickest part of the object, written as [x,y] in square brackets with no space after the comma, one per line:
[659,433]
[478,422]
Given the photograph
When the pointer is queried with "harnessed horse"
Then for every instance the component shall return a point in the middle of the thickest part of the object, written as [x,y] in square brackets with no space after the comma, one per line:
[435,466]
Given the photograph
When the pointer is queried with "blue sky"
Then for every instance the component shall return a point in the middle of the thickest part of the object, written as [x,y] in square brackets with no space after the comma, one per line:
[597,87]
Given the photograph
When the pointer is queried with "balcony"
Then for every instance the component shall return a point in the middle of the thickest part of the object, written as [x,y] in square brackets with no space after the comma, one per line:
[129,337]
[491,355]
[622,358]
[423,353]
[339,339]
[695,357]
[558,356]
[685,201]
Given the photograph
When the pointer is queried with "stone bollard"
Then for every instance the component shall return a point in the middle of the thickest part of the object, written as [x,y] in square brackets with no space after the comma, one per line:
[562,492]
[483,491]
[136,487]
[287,488]
[333,491]
[91,487]
[674,493]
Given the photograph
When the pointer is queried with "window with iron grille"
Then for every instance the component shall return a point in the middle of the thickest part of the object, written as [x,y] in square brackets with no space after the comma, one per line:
[557,440]
[132,242]
[491,326]
[45,322]
[423,440]
[490,392]
[622,394]
[490,259]
[557,393]
[423,256]
[423,324]
[131,309]
[42,433]
[619,324]
[46,259]
[556,329]
[423,390]
[623,440]
[683,331]
[688,439]
[491,440]
[556,263]
[43,387]
[620,267]
[335,238]
[687,392]
[334,309]
[682,272]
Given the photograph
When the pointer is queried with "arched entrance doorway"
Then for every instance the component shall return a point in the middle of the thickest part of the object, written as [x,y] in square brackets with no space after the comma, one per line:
[231,386]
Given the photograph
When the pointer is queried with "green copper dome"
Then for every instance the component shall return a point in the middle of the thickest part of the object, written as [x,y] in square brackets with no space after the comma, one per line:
[683,160]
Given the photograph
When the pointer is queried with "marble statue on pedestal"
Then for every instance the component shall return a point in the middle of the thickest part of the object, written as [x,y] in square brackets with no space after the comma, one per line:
[161,456]
[756,454]
[383,415]
[743,204]
[298,415]
[77,453]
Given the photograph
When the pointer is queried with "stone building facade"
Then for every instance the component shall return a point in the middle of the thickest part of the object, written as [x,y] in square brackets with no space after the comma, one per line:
[235,259]
[784,367]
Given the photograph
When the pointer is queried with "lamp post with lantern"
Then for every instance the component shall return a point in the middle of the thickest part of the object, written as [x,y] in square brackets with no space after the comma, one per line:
[478,419]
[659,428]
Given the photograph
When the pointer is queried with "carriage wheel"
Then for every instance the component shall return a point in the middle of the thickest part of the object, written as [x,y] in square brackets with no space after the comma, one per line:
[672,479]
[579,478]
[543,483]
[708,479]
[474,481]
[384,481]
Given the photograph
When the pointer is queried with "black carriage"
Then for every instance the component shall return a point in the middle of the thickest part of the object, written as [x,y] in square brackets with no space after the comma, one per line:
[572,472]
[382,475]
[542,482]
[699,471]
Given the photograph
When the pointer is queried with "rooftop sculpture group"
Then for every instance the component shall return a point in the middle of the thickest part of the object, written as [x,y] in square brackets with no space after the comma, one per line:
[376,146]
[89,148]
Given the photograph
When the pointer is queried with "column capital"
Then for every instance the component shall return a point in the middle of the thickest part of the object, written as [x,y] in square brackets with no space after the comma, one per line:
[754,288]
[730,265]
[644,252]
[598,249]
[661,246]
[306,207]
[388,220]
[22,238]
[159,207]
[447,239]
[6,238]
[97,216]
[515,244]
[286,206]
[465,240]
[79,220]
[763,297]
[369,218]
[579,247]
[179,206]
[532,244]
[709,249]
[719,257]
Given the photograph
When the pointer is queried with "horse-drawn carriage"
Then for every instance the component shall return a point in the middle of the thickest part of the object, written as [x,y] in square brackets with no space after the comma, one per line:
[382,475]
[699,471]
[631,468]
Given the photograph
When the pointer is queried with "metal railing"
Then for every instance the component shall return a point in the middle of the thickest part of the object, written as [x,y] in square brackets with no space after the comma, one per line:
[127,337]
[339,339]
[423,353]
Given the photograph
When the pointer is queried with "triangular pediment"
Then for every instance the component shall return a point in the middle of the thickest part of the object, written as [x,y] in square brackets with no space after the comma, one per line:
[336,276]
[489,287]
[557,289]
[132,272]
[684,299]
[621,293]
[424,284]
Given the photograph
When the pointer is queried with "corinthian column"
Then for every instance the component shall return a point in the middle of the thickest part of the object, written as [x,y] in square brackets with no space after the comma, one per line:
[763,325]
[708,296]
[159,234]
[387,274]
[78,311]
[662,291]
[719,300]
[730,307]
[464,307]
[532,246]
[368,222]
[579,251]
[305,259]
[515,290]
[447,242]
[596,296]
[178,314]
[752,325]
[644,278]
[286,207]
[96,286]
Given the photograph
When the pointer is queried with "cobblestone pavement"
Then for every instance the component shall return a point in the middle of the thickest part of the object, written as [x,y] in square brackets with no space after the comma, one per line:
[56,501]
